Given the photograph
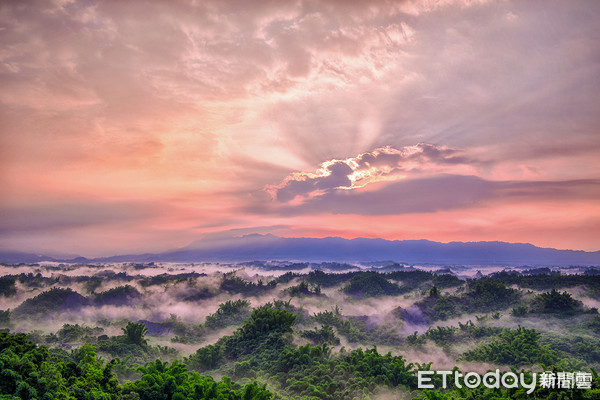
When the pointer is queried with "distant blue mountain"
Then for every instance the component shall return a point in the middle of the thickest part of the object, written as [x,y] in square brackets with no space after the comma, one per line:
[16,257]
[270,247]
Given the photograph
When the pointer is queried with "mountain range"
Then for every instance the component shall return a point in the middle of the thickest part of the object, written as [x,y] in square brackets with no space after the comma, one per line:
[270,247]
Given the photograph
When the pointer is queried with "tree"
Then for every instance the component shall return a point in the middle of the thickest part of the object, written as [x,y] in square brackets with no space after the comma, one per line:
[434,292]
[557,302]
[135,333]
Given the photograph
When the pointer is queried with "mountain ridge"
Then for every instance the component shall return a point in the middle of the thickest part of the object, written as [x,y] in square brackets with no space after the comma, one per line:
[270,247]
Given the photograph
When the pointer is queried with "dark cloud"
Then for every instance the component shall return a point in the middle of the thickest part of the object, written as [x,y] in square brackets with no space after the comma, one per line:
[437,193]
[573,190]
[411,196]
[439,155]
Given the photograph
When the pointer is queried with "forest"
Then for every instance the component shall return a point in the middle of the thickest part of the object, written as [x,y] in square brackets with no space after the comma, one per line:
[292,330]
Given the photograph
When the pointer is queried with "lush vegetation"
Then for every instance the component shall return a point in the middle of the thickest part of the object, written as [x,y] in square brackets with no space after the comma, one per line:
[118,296]
[545,280]
[556,302]
[48,302]
[7,286]
[514,347]
[5,318]
[229,313]
[486,295]
[262,346]
[70,333]
[133,345]
[232,283]
[356,330]
[31,372]
[483,295]
[164,279]
[448,335]
[370,284]
[324,334]
[303,289]
[291,345]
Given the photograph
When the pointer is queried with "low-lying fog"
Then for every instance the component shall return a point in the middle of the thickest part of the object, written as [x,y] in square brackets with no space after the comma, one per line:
[191,292]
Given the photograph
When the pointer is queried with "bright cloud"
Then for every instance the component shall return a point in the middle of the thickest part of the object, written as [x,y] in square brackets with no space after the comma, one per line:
[380,165]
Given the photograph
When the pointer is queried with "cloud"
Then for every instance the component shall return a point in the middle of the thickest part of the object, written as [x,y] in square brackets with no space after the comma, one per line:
[425,195]
[445,192]
[383,164]
[56,217]
[199,105]
[423,178]
[510,86]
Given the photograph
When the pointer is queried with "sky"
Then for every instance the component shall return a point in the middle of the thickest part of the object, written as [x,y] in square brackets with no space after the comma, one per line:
[129,127]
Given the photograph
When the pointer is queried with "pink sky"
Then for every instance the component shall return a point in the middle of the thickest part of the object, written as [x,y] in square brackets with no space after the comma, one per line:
[131,127]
